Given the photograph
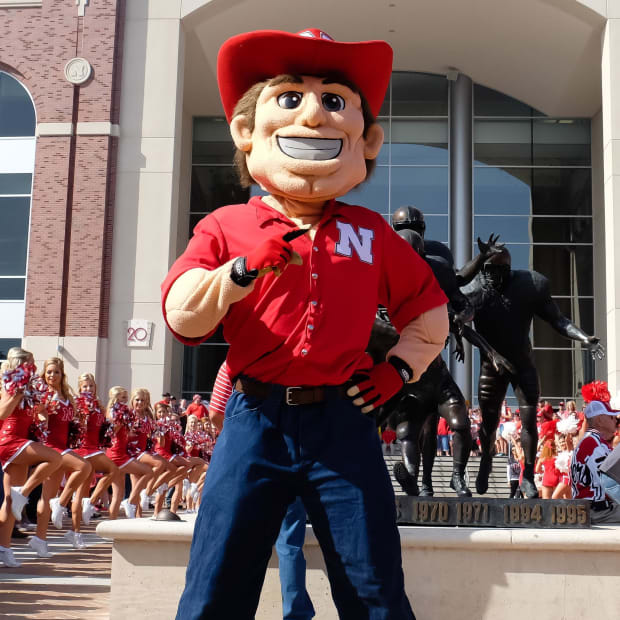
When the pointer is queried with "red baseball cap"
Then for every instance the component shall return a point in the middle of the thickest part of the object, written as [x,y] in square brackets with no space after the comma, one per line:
[252,57]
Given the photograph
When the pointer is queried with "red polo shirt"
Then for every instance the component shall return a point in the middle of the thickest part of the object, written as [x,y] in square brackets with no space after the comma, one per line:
[197,409]
[311,325]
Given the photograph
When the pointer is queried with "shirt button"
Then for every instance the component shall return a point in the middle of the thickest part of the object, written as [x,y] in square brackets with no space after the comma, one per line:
[304,352]
[315,248]
[311,327]
[314,303]
[315,275]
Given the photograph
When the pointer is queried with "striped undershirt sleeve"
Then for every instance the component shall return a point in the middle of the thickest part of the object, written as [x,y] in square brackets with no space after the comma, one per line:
[222,389]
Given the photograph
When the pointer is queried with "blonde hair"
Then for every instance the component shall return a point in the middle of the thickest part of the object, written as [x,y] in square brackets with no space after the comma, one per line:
[87,376]
[15,357]
[190,418]
[146,397]
[571,406]
[65,389]
[113,396]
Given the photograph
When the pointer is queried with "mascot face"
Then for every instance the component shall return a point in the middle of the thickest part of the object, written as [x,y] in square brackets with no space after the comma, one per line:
[307,143]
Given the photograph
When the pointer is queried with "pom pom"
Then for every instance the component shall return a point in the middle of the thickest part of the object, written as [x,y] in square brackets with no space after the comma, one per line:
[597,390]
[106,433]
[122,414]
[509,430]
[76,434]
[562,461]
[568,426]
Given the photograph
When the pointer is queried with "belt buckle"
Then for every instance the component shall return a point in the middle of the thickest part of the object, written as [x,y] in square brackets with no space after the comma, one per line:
[288,393]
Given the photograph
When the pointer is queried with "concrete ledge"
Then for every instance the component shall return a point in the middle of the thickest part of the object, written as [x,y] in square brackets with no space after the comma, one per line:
[456,573]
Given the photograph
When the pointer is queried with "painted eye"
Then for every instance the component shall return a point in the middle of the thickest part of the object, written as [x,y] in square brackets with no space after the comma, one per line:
[289,100]
[332,103]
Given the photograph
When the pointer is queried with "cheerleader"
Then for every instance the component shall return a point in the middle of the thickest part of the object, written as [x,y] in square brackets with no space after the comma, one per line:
[170,446]
[18,452]
[122,421]
[195,446]
[60,414]
[141,445]
[89,409]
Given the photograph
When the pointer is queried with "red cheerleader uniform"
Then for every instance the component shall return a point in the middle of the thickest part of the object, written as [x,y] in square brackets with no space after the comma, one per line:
[90,444]
[551,475]
[165,449]
[194,440]
[142,432]
[14,434]
[58,424]
[117,452]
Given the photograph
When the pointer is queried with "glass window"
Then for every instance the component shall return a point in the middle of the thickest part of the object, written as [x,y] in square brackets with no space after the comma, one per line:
[12,289]
[561,142]
[419,94]
[212,143]
[215,186]
[437,228]
[562,373]
[8,343]
[200,366]
[503,142]
[537,191]
[489,102]
[502,191]
[373,193]
[523,229]
[17,116]
[425,188]
[422,142]
[14,222]
[15,183]
[562,191]
[579,310]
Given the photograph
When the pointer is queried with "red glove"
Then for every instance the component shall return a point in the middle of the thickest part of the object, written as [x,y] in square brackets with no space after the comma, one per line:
[373,388]
[274,253]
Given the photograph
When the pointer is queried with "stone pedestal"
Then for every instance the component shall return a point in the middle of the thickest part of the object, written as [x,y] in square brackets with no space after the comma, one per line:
[450,573]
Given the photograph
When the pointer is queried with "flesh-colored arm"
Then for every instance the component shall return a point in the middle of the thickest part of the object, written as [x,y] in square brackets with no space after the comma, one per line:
[199,299]
[422,340]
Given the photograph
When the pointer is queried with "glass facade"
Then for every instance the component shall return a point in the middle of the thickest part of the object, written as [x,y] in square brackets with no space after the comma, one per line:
[531,182]
[17,145]
[532,185]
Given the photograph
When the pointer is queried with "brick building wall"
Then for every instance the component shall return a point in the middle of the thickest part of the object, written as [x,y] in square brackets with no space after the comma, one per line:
[72,202]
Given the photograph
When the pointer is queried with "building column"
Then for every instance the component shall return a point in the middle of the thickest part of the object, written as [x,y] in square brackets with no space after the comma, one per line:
[147,191]
[610,69]
[461,165]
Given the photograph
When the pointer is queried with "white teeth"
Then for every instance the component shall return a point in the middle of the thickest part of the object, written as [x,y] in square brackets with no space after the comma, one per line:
[317,149]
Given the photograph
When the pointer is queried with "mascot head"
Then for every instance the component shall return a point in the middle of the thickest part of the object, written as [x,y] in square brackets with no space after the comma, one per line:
[302,110]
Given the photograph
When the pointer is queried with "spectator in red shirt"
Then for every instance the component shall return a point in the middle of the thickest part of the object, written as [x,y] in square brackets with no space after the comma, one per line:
[197,408]
[443,438]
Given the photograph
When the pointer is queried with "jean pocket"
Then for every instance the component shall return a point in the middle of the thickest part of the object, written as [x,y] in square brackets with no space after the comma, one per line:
[241,404]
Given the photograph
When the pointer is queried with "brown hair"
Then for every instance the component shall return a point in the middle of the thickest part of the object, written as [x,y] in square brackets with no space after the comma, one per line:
[246,106]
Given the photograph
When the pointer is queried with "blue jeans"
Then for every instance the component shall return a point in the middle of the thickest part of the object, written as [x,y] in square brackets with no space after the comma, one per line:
[296,604]
[269,453]
[443,443]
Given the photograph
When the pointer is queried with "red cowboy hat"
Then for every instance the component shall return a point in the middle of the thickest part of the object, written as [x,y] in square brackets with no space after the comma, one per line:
[252,57]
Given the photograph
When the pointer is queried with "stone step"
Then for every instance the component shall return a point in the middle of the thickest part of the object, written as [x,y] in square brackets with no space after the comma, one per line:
[442,472]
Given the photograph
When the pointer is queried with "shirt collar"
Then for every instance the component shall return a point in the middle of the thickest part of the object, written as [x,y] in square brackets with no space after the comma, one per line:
[265,213]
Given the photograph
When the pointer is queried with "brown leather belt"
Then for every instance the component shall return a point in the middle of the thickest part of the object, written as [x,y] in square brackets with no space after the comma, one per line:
[292,395]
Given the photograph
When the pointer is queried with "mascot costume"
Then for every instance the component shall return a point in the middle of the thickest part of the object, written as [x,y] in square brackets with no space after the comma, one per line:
[295,278]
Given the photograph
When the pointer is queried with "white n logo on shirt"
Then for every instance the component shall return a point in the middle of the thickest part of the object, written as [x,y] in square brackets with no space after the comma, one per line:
[360,241]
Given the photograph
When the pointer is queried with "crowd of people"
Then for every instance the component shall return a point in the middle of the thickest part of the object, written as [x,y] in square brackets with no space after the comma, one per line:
[560,430]
[67,450]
